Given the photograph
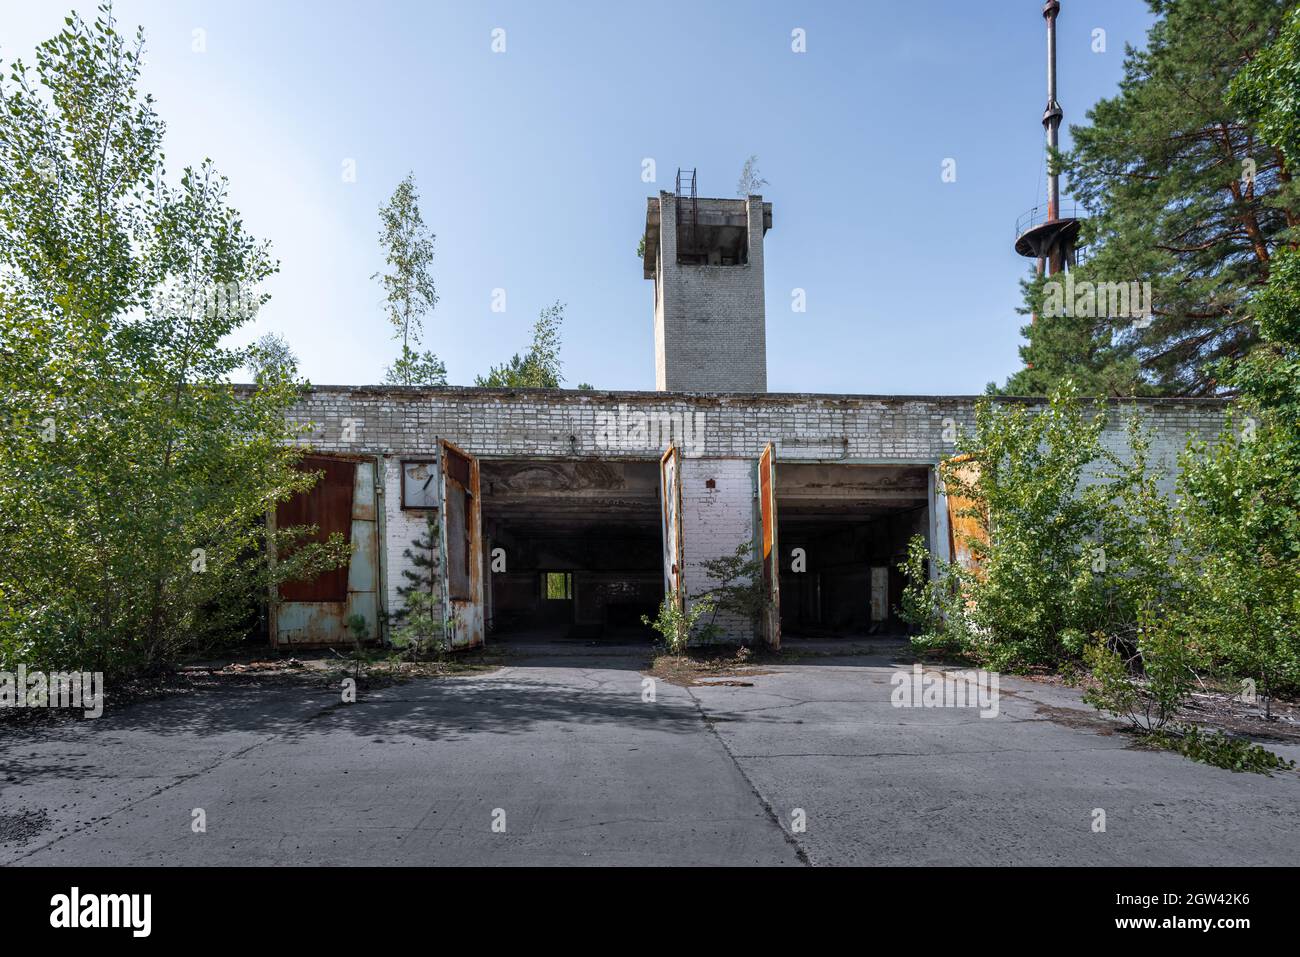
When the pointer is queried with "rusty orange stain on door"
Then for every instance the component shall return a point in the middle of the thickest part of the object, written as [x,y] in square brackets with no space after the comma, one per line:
[463,535]
[963,527]
[767,520]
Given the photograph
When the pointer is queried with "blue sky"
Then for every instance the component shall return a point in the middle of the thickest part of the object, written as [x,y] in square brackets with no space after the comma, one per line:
[529,164]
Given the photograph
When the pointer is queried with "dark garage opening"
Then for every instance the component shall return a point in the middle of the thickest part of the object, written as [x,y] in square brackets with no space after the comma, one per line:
[852,523]
[573,550]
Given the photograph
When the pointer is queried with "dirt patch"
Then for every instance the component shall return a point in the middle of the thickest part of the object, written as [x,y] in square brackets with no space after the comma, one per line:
[1228,713]
[708,669]
[1076,718]
[848,651]
[724,683]
[1217,707]
[324,671]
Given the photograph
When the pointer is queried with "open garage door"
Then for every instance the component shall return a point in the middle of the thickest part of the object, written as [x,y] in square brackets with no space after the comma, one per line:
[670,506]
[462,544]
[771,618]
[576,549]
[964,528]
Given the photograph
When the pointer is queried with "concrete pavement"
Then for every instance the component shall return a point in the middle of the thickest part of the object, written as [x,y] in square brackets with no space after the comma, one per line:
[562,754]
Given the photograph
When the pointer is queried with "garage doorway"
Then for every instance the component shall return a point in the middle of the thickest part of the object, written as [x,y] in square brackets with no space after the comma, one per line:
[842,531]
[573,549]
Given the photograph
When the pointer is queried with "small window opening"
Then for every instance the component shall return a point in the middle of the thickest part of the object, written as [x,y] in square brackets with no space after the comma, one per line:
[557,586]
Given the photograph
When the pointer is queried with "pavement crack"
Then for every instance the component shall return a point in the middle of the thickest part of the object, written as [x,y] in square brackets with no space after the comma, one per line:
[799,850]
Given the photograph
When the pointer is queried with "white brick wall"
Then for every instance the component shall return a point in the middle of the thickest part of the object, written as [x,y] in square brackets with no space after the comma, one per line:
[562,424]
[403,527]
[714,521]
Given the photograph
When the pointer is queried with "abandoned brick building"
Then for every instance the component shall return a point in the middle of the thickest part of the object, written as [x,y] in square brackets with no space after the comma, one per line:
[572,513]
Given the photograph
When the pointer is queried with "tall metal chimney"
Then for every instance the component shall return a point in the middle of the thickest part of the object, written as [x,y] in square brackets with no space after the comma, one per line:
[1044,234]
[1052,115]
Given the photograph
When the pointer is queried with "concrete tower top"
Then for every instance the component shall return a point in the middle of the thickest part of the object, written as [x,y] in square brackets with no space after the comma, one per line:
[723,226]
[705,256]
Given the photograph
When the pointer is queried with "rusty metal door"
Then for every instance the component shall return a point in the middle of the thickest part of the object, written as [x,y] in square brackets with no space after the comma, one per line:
[344,502]
[328,506]
[964,528]
[670,502]
[462,547]
[769,548]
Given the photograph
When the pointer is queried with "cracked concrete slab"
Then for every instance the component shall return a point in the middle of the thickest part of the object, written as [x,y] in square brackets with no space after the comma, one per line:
[882,785]
[586,772]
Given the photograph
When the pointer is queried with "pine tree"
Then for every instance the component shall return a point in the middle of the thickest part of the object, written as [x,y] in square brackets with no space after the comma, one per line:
[416,368]
[1185,193]
[541,367]
[419,622]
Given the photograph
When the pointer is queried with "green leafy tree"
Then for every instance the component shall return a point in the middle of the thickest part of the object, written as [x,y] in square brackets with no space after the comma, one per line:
[1268,90]
[1072,538]
[409,291]
[135,479]
[1241,495]
[540,368]
[1036,586]
[1186,193]
[739,588]
[272,359]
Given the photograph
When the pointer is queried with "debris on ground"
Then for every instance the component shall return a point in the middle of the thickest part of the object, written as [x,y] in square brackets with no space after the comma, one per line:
[1217,707]
[699,667]
[19,827]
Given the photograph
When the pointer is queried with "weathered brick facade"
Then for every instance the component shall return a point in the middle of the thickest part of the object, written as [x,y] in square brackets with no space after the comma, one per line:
[724,436]
[566,423]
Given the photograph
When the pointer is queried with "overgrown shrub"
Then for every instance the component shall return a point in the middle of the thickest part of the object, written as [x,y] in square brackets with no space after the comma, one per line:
[1074,540]
[935,605]
[678,627]
[1240,511]
[1144,682]
[1059,547]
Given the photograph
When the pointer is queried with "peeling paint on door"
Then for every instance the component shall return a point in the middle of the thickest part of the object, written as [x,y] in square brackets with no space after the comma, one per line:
[963,527]
[768,547]
[462,546]
[670,488]
[316,613]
